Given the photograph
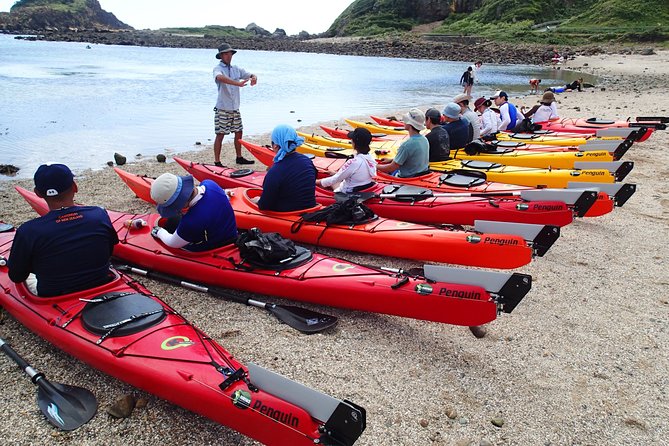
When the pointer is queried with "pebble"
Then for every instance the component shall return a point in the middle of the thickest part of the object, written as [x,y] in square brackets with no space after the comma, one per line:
[110,163]
[452,413]
[464,421]
[424,422]
[485,442]
[161,158]
[498,422]
[123,407]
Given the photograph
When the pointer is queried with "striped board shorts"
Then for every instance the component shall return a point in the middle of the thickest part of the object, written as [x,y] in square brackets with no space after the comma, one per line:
[227,121]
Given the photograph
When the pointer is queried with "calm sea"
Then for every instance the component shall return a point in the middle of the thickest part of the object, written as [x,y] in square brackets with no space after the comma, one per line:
[78,104]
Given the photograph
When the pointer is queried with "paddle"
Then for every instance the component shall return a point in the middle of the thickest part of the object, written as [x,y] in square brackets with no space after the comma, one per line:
[66,407]
[302,319]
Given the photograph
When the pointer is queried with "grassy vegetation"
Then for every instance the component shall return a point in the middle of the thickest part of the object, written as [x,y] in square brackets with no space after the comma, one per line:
[571,21]
[57,5]
[210,31]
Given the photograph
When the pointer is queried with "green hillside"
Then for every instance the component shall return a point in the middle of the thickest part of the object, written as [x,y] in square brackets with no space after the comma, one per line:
[556,21]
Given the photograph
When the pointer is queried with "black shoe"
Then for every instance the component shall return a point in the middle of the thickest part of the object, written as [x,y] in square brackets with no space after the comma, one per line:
[218,164]
[242,160]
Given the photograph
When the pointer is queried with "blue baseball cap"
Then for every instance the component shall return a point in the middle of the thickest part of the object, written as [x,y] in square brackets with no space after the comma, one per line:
[53,179]
[171,193]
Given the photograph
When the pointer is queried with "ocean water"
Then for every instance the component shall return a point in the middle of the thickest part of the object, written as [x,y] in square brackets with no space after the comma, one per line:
[78,104]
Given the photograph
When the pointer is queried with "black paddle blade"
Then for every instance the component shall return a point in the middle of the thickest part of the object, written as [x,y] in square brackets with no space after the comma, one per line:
[302,319]
[66,407]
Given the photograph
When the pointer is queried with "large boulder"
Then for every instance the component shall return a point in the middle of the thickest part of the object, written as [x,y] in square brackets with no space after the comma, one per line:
[257,30]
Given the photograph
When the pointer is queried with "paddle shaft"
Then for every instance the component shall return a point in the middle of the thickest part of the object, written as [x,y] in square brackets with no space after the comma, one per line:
[9,351]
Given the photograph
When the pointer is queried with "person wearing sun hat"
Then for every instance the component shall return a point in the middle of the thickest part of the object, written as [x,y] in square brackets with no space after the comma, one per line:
[545,110]
[227,118]
[508,113]
[67,249]
[358,172]
[459,130]
[290,184]
[413,156]
[489,120]
[468,114]
[208,221]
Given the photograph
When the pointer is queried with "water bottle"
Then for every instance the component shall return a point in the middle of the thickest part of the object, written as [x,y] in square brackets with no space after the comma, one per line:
[135,223]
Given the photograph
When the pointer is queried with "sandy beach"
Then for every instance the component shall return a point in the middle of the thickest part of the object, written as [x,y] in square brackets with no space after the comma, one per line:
[581,361]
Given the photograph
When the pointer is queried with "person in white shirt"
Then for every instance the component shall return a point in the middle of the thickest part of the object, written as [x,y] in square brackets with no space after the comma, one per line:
[509,114]
[490,120]
[357,173]
[546,110]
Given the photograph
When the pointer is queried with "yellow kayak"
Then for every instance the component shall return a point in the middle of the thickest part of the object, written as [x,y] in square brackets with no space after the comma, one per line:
[601,172]
[500,155]
[552,140]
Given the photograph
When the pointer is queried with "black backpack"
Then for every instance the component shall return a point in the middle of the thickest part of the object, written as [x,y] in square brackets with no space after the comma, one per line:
[268,248]
[347,212]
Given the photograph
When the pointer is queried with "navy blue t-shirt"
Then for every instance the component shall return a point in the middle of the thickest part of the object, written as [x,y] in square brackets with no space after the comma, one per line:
[67,249]
[458,133]
[290,185]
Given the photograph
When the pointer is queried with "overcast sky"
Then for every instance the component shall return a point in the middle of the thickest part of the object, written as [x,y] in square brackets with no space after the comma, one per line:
[293,16]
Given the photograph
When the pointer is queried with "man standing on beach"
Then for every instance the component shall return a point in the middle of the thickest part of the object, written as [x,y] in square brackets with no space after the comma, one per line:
[227,119]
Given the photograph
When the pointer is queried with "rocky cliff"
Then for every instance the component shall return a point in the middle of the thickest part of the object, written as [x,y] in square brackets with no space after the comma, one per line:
[45,15]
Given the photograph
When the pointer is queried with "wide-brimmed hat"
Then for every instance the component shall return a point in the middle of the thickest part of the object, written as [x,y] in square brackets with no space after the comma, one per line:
[461,97]
[452,110]
[171,193]
[361,137]
[415,118]
[500,94]
[548,97]
[53,179]
[479,102]
[224,48]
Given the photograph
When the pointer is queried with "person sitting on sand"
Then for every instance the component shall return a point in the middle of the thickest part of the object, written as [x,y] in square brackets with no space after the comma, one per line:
[290,184]
[509,114]
[358,172]
[490,120]
[208,221]
[440,144]
[413,155]
[534,85]
[66,250]
[546,110]
[460,131]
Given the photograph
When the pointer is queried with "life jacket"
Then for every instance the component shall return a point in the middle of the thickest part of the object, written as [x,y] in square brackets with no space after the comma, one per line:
[513,115]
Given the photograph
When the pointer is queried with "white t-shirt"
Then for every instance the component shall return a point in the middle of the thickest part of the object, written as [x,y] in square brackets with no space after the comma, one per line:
[358,171]
[490,122]
[545,113]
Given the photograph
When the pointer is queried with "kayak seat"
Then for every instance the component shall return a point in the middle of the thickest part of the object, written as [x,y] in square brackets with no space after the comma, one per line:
[463,178]
[241,173]
[543,132]
[599,121]
[524,136]
[407,192]
[498,143]
[115,307]
[302,255]
[483,165]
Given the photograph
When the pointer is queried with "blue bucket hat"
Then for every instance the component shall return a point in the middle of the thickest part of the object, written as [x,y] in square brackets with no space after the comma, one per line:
[171,193]
[452,110]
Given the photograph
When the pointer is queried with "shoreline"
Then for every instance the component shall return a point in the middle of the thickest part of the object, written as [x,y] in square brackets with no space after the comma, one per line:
[581,360]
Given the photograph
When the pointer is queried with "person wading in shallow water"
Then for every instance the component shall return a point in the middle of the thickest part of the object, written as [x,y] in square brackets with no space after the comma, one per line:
[227,119]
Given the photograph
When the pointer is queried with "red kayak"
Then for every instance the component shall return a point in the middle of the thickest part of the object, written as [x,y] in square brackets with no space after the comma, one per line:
[440,294]
[591,126]
[414,205]
[514,244]
[124,330]
[467,180]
